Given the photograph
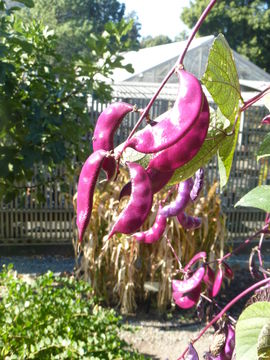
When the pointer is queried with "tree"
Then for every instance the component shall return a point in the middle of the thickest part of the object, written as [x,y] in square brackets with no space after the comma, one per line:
[74,21]
[43,100]
[149,41]
[245,24]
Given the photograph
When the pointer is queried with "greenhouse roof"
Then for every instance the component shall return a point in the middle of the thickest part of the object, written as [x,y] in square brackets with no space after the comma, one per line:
[152,64]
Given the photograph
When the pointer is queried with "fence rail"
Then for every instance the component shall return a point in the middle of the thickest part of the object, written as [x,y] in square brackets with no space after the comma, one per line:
[24,222]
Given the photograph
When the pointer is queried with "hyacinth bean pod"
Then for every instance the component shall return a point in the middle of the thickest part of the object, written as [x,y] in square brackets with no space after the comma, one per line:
[218,282]
[227,270]
[208,279]
[177,122]
[158,181]
[192,353]
[186,148]
[196,258]
[266,119]
[139,205]
[181,200]
[198,184]
[86,186]
[107,123]
[230,342]
[187,300]
[187,285]
[189,222]
[155,232]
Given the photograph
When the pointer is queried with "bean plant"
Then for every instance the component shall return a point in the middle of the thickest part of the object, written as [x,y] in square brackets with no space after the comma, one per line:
[173,149]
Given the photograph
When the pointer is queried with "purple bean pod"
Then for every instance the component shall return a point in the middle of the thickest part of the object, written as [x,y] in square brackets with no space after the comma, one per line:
[181,201]
[107,124]
[86,186]
[230,342]
[177,122]
[186,148]
[218,282]
[196,258]
[189,222]
[192,353]
[198,184]
[155,232]
[266,119]
[187,285]
[158,181]
[139,205]
[227,270]
[209,279]
[189,299]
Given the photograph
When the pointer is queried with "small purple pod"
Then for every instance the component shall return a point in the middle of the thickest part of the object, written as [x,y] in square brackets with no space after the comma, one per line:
[208,279]
[158,181]
[198,184]
[107,123]
[187,285]
[139,205]
[196,258]
[189,222]
[192,353]
[186,148]
[187,300]
[266,119]
[155,232]
[175,125]
[227,270]
[86,186]
[181,201]
[218,282]
[230,342]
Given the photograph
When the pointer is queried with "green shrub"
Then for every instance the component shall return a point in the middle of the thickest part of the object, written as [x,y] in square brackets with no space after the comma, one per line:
[56,318]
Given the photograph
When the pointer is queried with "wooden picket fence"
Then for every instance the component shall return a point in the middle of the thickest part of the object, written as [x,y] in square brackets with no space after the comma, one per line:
[24,222]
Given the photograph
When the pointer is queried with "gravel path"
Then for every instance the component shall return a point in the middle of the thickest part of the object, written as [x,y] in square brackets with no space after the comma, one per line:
[39,264]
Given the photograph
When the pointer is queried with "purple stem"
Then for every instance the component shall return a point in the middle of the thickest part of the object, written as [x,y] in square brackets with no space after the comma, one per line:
[167,77]
[217,306]
[195,29]
[223,311]
[253,100]
[174,253]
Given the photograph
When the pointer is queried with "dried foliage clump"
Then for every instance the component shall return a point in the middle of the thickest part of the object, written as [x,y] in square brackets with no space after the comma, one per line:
[123,271]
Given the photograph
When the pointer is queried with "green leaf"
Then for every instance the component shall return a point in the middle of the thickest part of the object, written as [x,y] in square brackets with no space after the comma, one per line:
[248,329]
[264,343]
[257,198]
[222,82]
[221,78]
[264,149]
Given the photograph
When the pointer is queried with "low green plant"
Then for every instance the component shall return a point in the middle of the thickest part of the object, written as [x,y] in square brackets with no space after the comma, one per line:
[56,318]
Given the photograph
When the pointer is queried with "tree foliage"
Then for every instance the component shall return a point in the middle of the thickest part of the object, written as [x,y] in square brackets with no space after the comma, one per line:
[150,41]
[43,100]
[245,23]
[75,21]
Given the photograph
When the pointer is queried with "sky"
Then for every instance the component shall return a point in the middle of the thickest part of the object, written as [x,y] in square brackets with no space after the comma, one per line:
[158,17]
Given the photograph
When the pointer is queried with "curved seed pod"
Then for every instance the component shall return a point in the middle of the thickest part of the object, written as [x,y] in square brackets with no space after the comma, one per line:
[178,121]
[189,222]
[192,353]
[266,119]
[196,258]
[107,123]
[154,234]
[186,148]
[218,282]
[227,270]
[230,342]
[209,277]
[188,300]
[181,201]
[253,268]
[198,184]
[184,286]
[86,186]
[139,205]
[158,181]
